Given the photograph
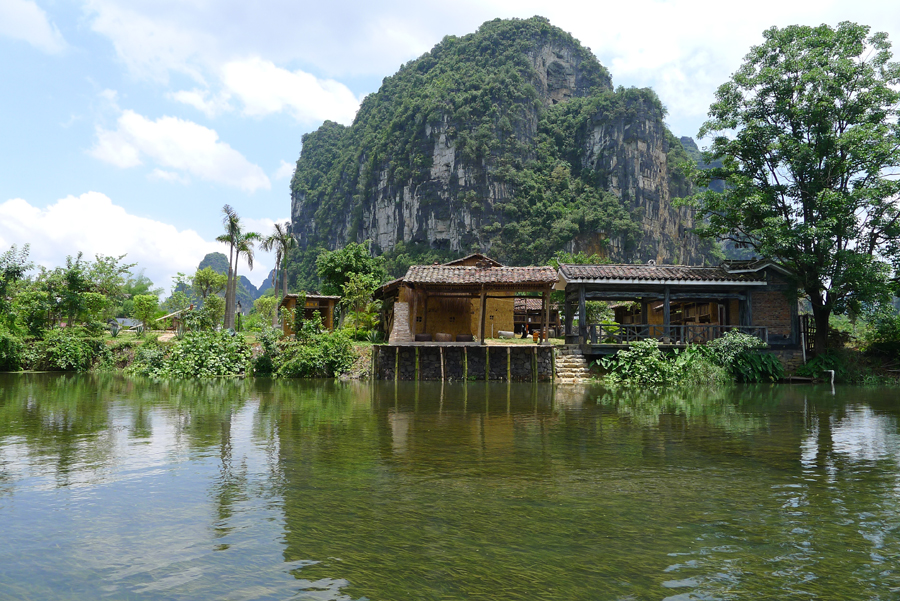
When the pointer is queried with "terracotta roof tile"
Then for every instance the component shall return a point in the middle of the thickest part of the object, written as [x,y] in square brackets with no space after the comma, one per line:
[530,303]
[469,276]
[669,273]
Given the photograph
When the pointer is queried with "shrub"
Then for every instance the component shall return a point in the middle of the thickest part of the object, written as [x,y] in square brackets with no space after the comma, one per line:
[319,355]
[11,352]
[148,358]
[206,354]
[725,350]
[65,350]
[829,360]
[883,337]
[750,366]
[641,363]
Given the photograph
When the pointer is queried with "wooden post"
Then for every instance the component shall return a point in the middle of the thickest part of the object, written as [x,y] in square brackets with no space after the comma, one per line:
[570,315]
[465,364]
[582,316]
[417,364]
[442,364]
[415,310]
[483,311]
[508,364]
[534,364]
[396,363]
[553,365]
[425,313]
[487,364]
[666,315]
[545,315]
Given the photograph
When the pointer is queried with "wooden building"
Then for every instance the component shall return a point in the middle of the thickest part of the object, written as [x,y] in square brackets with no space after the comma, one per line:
[315,303]
[678,304]
[527,315]
[465,300]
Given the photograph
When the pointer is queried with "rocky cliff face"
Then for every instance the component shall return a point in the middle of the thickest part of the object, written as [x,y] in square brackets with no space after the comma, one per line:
[510,142]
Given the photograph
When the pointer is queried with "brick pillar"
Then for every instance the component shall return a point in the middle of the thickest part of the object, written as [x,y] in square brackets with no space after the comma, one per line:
[400,332]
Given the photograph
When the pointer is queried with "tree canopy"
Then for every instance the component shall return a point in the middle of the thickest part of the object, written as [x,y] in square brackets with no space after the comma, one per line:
[807,133]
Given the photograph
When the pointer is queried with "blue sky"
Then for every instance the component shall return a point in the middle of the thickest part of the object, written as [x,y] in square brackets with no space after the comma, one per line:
[125,126]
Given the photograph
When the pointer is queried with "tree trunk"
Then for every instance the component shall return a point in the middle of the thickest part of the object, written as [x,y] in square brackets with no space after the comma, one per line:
[228,286]
[821,314]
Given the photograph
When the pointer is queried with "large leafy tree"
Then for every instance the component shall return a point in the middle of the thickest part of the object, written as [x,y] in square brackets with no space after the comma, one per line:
[336,266]
[807,133]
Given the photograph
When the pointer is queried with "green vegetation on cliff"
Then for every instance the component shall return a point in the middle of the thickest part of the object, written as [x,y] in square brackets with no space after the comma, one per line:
[516,103]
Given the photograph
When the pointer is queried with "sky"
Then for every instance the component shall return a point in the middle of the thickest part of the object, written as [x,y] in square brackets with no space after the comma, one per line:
[125,126]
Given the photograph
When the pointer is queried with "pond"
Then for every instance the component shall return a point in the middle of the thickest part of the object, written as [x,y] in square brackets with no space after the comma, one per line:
[115,488]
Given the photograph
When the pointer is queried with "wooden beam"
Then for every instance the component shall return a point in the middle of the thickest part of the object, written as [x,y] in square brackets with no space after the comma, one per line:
[415,310]
[545,315]
[666,314]
[483,311]
[582,316]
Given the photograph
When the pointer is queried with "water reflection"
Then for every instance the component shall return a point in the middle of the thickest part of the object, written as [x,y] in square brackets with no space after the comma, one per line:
[240,489]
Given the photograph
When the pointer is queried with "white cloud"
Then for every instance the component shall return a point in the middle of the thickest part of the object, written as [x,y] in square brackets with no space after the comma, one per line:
[285,170]
[25,20]
[169,176]
[265,88]
[177,144]
[91,223]
[203,101]
[682,49]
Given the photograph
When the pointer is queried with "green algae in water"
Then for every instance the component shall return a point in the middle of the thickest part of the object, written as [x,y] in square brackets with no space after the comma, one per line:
[134,489]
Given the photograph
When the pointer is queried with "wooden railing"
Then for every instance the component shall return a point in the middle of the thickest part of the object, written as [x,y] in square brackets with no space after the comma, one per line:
[681,334]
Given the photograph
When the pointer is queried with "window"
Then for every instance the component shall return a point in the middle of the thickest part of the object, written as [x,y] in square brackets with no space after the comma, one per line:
[419,319]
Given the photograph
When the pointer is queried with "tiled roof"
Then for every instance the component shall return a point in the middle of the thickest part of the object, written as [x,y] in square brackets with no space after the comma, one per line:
[469,276]
[477,256]
[657,273]
[530,303]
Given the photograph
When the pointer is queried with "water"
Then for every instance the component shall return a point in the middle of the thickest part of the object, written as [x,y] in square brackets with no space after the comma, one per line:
[114,488]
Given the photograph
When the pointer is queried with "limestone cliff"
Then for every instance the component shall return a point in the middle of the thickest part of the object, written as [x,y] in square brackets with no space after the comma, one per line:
[510,141]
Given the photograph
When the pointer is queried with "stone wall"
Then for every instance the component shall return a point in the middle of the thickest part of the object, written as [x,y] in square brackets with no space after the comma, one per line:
[423,362]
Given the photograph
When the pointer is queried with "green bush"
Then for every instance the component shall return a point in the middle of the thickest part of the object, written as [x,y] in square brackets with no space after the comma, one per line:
[751,366]
[883,336]
[65,350]
[319,355]
[148,358]
[726,349]
[829,360]
[206,354]
[641,363]
[11,352]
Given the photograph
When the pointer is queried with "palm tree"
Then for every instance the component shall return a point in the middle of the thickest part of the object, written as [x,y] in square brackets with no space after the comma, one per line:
[243,246]
[239,243]
[281,241]
[232,224]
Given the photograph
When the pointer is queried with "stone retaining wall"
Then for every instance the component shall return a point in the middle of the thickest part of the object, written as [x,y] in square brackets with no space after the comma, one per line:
[520,363]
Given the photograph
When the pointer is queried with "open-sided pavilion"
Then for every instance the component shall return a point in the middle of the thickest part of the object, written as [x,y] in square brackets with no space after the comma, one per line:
[678,304]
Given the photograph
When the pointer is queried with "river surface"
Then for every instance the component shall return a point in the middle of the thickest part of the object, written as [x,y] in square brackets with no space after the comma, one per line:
[115,488]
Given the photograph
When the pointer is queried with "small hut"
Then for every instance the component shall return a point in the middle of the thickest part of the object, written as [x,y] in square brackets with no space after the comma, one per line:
[315,303]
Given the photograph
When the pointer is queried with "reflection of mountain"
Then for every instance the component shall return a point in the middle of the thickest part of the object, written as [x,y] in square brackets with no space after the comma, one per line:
[243,489]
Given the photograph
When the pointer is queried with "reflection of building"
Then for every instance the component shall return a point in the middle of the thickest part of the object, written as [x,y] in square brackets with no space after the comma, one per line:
[468,299]
[315,303]
[679,304]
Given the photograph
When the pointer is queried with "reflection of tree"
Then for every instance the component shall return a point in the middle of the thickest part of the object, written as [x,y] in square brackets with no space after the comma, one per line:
[62,418]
